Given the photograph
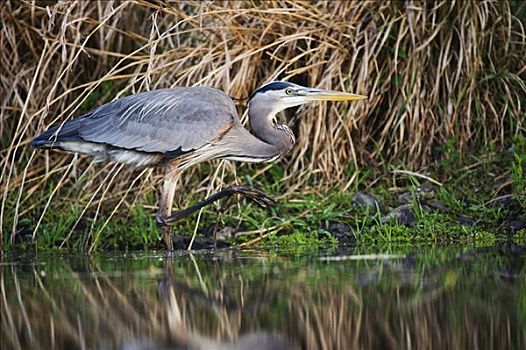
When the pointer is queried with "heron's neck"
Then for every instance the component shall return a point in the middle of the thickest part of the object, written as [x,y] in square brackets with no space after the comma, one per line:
[262,126]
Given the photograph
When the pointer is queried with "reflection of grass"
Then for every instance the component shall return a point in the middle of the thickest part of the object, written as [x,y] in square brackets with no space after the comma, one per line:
[452,295]
[300,242]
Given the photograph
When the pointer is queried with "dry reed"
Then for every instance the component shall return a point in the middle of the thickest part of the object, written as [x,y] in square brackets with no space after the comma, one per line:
[433,71]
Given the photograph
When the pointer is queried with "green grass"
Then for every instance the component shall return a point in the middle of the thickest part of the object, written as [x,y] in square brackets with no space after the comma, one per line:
[520,237]
[303,222]
[300,242]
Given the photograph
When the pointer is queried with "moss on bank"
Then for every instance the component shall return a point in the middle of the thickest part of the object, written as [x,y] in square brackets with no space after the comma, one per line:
[476,200]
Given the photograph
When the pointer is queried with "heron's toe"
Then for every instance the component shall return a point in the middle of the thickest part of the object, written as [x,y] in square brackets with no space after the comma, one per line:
[257,196]
[161,221]
[266,202]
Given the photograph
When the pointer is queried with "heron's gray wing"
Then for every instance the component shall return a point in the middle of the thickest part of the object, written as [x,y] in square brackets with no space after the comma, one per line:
[168,121]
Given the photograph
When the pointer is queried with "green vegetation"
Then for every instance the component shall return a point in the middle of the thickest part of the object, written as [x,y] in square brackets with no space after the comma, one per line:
[520,237]
[479,200]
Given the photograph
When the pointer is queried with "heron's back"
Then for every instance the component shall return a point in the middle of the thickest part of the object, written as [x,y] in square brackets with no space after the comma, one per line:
[143,128]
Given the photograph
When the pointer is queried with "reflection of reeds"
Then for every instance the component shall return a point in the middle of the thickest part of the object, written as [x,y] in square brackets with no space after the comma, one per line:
[71,310]
[271,304]
[324,318]
[433,71]
[68,312]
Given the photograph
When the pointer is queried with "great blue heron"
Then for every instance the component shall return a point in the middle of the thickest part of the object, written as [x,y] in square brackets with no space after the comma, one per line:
[180,127]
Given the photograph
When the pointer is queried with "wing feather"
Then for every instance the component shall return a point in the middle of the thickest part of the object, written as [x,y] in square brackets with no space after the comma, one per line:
[161,121]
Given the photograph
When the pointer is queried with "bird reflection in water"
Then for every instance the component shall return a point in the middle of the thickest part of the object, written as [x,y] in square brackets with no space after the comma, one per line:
[179,336]
[447,298]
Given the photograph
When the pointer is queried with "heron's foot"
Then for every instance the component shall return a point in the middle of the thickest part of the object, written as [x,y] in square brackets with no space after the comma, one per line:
[167,233]
[255,195]
[161,221]
[259,197]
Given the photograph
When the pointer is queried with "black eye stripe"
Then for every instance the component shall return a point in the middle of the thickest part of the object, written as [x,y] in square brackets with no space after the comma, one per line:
[275,85]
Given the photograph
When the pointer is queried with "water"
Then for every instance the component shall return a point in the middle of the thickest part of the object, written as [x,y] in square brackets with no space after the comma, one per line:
[427,298]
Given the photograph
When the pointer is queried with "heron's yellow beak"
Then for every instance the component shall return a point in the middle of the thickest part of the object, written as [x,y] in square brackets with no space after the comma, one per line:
[328,95]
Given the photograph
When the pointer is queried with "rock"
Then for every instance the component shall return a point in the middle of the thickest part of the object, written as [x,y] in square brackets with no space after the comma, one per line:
[516,225]
[363,199]
[341,231]
[338,228]
[436,204]
[347,239]
[403,214]
[501,201]
[225,233]
[466,221]
[24,235]
[405,198]
[426,191]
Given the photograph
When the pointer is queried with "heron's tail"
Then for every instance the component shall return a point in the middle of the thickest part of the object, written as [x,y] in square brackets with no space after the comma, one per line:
[42,141]
[57,134]
[66,137]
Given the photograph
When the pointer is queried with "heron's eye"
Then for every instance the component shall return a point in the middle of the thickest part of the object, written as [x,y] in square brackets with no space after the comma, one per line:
[289,91]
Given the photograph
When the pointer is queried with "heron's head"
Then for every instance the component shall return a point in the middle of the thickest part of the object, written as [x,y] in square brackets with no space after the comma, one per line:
[279,95]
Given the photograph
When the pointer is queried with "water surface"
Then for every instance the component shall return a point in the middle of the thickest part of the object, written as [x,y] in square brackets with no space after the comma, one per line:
[441,297]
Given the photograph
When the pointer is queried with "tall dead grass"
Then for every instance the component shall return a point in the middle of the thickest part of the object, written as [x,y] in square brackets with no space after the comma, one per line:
[433,71]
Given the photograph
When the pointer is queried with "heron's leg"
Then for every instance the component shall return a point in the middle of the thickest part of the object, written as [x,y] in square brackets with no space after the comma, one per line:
[166,200]
[255,195]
